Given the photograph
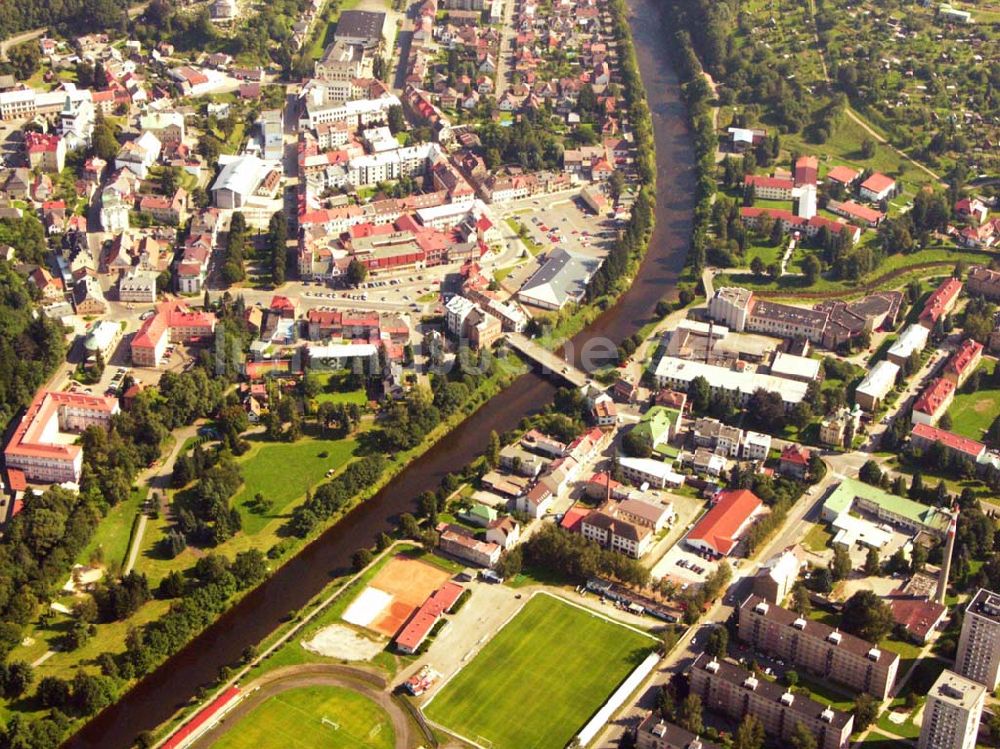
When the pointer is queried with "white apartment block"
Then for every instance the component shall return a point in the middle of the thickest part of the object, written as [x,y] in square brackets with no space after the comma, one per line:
[730,305]
[952,713]
[979,644]
[355,113]
[756,446]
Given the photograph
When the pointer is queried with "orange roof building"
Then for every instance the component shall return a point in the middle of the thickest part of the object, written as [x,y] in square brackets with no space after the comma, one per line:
[844,175]
[172,323]
[940,302]
[963,362]
[412,636]
[933,402]
[720,529]
[43,445]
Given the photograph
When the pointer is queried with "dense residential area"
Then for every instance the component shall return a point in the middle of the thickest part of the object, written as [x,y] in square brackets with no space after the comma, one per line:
[499,374]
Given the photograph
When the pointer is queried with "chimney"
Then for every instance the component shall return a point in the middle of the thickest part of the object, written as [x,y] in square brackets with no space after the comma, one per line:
[949,548]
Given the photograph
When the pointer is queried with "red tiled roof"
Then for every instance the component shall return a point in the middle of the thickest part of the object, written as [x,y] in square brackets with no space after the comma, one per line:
[573,517]
[40,142]
[602,480]
[918,616]
[967,353]
[30,438]
[201,718]
[842,174]
[718,526]
[795,454]
[16,479]
[942,297]
[281,303]
[934,395]
[863,212]
[779,183]
[878,182]
[426,616]
[806,169]
[949,439]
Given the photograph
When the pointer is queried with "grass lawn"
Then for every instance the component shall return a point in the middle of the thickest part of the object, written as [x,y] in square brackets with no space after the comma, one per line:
[501,273]
[283,471]
[765,252]
[515,226]
[336,389]
[535,683]
[109,543]
[358,397]
[973,413]
[818,538]
[794,284]
[295,719]
[876,740]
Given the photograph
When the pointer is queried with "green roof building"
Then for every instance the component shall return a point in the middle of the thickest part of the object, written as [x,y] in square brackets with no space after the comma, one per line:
[659,424]
[479,514]
[852,494]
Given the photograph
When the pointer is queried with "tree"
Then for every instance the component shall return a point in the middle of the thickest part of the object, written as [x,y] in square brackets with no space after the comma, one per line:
[637,443]
[802,737]
[277,240]
[757,266]
[362,558]
[408,526]
[493,450]
[103,142]
[717,644]
[749,734]
[865,711]
[766,410]
[689,717]
[811,269]
[867,148]
[870,473]
[840,566]
[945,421]
[357,272]
[866,615]
[800,600]
[791,678]
[15,678]
[616,184]
[872,562]
[699,392]
[53,692]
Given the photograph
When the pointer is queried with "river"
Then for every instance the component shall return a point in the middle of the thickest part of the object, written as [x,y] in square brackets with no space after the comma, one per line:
[161,693]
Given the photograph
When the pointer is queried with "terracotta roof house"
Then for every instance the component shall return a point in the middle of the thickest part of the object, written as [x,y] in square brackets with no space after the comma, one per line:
[720,529]
[794,461]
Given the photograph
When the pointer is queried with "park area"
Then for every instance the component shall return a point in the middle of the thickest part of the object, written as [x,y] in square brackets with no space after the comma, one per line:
[283,471]
[307,717]
[973,413]
[540,678]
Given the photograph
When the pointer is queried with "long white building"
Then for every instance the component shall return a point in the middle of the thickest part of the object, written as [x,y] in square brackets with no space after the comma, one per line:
[677,374]
[356,113]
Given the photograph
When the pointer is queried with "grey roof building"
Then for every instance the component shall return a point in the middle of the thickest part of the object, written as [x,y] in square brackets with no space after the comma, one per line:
[563,278]
[361,27]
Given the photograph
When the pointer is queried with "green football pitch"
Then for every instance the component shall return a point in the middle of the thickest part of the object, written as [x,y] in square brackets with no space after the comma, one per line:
[308,717]
[540,678]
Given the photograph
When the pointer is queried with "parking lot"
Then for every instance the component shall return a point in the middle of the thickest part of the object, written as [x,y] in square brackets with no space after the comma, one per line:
[567,223]
[684,566]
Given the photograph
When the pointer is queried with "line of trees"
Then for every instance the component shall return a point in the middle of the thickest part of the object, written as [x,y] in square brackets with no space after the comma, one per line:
[233,269]
[570,554]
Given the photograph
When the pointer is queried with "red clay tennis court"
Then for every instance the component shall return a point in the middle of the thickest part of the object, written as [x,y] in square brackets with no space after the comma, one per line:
[409,582]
